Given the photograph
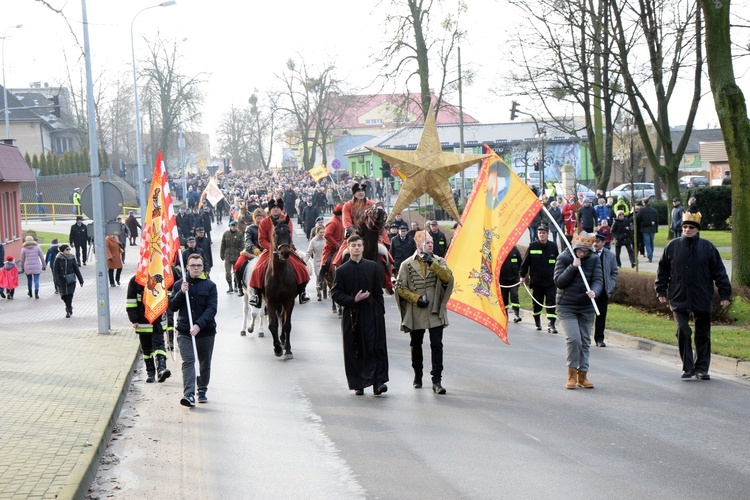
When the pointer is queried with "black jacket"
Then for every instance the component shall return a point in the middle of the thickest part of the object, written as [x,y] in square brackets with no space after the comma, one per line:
[587,218]
[571,292]
[203,305]
[687,271]
[66,264]
[439,242]
[622,231]
[648,220]
[402,250]
[510,271]
[78,235]
[539,263]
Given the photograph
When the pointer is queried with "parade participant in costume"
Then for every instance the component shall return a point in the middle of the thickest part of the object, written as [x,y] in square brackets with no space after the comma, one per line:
[265,235]
[569,211]
[334,236]
[150,335]
[574,306]
[358,289]
[252,249]
[354,208]
[688,270]
[424,285]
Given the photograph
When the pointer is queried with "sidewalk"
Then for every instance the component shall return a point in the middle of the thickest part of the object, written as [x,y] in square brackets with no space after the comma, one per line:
[64,384]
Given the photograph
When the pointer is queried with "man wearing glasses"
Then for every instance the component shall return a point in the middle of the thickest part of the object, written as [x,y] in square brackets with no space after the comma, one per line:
[688,269]
[203,304]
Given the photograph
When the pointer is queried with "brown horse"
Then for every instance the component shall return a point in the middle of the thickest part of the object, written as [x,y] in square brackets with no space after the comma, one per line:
[281,288]
[369,226]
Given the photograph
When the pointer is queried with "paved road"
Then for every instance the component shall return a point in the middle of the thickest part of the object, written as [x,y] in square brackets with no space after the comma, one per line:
[506,429]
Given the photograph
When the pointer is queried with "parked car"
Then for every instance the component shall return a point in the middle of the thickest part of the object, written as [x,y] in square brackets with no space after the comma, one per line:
[641,190]
[691,181]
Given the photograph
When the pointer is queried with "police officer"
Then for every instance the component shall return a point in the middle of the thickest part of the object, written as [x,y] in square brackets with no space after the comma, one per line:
[539,265]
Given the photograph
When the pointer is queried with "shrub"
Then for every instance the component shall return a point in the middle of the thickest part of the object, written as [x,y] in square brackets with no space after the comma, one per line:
[714,203]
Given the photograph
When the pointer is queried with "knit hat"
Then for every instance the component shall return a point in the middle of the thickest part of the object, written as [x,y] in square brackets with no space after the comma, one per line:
[357,187]
[583,240]
[29,239]
[338,210]
[9,258]
[63,247]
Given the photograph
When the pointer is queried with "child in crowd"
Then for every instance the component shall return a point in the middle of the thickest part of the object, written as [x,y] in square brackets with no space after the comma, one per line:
[8,278]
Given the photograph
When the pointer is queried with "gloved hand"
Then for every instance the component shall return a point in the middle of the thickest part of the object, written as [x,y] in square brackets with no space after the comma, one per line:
[422,302]
[427,259]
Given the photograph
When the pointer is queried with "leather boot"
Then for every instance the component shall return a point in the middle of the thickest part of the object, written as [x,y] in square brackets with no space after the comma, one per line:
[583,382]
[538,323]
[517,312]
[572,376]
[255,298]
[150,371]
[162,372]
[36,294]
[551,327]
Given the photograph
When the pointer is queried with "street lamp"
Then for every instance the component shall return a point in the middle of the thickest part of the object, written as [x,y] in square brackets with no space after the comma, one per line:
[5,90]
[138,142]
[541,136]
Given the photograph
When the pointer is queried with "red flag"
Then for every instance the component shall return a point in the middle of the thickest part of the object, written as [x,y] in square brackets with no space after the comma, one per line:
[159,245]
[499,210]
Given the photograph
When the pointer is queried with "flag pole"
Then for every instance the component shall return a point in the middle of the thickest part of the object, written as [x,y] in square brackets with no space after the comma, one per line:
[570,247]
[185,274]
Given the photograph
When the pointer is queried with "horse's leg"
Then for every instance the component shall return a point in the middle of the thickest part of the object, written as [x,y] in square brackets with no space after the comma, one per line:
[273,325]
[287,328]
[262,315]
[245,312]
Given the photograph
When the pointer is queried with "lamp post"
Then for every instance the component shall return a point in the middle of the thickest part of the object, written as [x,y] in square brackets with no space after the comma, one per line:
[5,90]
[138,142]
[541,137]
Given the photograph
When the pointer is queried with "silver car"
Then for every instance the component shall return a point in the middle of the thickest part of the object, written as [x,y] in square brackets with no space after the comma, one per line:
[641,190]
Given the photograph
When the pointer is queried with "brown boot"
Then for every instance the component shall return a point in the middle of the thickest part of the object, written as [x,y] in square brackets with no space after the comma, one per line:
[583,382]
[571,382]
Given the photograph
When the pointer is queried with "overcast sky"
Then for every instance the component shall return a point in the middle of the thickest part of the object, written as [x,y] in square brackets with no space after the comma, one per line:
[240,45]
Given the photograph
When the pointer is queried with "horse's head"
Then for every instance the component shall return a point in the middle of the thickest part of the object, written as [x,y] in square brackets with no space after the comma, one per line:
[282,238]
[375,218]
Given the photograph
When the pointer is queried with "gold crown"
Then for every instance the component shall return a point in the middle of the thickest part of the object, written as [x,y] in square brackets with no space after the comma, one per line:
[583,239]
[695,218]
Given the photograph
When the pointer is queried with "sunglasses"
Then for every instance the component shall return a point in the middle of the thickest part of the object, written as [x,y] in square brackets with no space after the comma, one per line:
[196,266]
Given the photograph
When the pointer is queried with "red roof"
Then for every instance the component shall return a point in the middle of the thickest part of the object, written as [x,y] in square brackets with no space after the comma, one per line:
[357,106]
[13,168]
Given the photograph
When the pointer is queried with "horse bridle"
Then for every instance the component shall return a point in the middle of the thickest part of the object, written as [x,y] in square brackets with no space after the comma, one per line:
[372,221]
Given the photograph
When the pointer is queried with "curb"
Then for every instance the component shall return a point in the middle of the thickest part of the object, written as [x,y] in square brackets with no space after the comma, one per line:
[84,473]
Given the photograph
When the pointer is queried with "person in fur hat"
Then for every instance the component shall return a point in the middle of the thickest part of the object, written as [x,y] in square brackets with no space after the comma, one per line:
[33,263]
[354,208]
[265,236]
[8,278]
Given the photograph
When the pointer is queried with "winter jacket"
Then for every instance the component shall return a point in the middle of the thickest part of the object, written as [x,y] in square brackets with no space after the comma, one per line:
[539,263]
[32,259]
[66,264]
[203,305]
[587,218]
[648,220]
[52,254]
[677,218]
[571,291]
[439,243]
[687,271]
[622,231]
[232,243]
[114,252]
[137,310]
[9,275]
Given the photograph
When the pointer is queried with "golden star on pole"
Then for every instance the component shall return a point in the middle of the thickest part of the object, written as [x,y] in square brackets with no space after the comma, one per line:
[427,169]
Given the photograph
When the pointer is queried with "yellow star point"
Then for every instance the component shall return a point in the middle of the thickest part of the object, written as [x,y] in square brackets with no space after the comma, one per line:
[427,169]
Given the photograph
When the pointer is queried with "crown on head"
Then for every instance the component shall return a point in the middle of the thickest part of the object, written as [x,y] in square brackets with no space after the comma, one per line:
[695,218]
[583,239]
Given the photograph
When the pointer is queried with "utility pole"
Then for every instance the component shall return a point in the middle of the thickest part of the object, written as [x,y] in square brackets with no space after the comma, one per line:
[462,191]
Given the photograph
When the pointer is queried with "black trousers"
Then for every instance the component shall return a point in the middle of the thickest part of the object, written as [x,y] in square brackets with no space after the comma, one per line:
[702,340]
[629,247]
[545,295]
[510,297]
[602,301]
[436,347]
[114,275]
[83,247]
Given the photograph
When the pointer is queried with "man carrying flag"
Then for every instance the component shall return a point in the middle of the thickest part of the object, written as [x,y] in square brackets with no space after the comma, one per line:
[147,298]
[498,212]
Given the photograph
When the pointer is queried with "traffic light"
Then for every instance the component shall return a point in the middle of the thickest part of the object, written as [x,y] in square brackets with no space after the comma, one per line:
[536,166]
[122,168]
[226,165]
[513,110]
[386,169]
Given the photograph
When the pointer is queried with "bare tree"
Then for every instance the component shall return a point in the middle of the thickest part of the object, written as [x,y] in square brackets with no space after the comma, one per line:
[175,98]
[671,34]
[564,55]
[235,136]
[263,130]
[417,43]
[735,127]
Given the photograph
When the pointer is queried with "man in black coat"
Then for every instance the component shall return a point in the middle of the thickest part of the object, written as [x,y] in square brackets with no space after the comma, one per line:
[183,224]
[358,288]
[204,243]
[79,239]
[439,241]
[587,216]
[402,247]
[687,271]
[647,220]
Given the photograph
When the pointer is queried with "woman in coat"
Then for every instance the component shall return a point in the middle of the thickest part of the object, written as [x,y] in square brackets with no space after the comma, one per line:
[33,263]
[114,259]
[66,272]
[133,226]
[575,310]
